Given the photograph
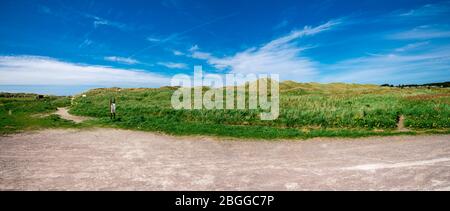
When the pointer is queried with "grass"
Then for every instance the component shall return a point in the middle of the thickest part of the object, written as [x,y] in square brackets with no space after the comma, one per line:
[21,112]
[306,111]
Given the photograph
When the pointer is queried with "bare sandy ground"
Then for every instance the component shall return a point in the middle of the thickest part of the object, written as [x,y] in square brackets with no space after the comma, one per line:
[110,159]
[64,113]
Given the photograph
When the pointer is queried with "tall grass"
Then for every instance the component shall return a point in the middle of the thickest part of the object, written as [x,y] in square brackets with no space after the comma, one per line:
[305,109]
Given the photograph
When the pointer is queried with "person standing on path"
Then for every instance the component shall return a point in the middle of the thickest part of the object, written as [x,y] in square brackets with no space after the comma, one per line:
[112,105]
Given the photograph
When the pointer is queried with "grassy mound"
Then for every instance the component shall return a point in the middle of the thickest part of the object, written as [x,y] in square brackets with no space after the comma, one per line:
[306,110]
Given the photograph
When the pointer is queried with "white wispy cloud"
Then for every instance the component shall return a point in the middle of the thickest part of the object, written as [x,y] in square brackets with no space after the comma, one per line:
[174,38]
[422,33]
[407,66]
[173,65]
[85,43]
[178,53]
[194,48]
[425,59]
[153,39]
[101,22]
[98,21]
[34,70]
[281,56]
[427,11]
[412,46]
[122,60]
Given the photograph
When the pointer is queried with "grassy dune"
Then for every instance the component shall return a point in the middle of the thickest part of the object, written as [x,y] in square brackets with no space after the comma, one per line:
[306,110]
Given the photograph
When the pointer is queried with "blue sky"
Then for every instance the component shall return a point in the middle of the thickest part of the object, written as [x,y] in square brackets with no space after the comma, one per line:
[88,43]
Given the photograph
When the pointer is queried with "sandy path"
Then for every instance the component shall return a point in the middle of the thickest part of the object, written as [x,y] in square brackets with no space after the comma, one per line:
[109,159]
[64,113]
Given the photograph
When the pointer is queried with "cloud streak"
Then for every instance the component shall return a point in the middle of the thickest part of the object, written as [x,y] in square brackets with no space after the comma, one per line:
[177,53]
[427,11]
[173,65]
[422,33]
[412,46]
[152,39]
[98,22]
[121,60]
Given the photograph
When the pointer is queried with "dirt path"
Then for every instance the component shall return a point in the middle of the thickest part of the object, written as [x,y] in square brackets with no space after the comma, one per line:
[401,124]
[109,159]
[64,113]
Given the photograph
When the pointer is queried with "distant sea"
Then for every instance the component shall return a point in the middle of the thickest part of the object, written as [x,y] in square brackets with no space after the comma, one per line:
[47,90]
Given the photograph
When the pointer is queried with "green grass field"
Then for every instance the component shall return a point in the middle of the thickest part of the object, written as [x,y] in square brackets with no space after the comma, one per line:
[306,111]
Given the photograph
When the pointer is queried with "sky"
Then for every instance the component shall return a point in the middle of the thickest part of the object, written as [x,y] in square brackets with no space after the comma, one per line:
[65,46]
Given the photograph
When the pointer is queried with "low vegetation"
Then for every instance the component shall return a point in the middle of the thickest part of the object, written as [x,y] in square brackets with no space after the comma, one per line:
[306,111]
[20,112]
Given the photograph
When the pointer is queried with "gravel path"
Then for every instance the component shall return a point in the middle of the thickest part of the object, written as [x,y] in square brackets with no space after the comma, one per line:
[110,159]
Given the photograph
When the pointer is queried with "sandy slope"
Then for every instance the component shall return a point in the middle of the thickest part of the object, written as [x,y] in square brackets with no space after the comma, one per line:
[109,159]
